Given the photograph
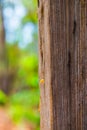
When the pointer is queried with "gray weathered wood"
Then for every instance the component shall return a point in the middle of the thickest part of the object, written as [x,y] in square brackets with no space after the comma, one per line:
[63,64]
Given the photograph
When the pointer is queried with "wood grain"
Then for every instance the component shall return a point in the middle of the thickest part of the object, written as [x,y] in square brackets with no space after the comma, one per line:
[63,64]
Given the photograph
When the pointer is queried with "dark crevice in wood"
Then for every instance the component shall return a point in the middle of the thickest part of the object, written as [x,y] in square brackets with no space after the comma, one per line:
[38,3]
[83,72]
[42,56]
[42,11]
[69,67]
[74,27]
[41,51]
[69,83]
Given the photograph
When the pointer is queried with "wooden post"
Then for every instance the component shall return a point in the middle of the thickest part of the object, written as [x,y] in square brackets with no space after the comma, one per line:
[63,64]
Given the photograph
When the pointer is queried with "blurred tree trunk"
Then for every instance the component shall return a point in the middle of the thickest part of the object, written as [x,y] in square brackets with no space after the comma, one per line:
[2,36]
[3,65]
[6,77]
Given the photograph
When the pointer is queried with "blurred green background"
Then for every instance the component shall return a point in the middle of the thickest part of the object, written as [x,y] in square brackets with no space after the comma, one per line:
[19,91]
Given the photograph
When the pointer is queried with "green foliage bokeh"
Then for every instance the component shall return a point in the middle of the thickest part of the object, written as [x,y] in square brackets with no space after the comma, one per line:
[22,65]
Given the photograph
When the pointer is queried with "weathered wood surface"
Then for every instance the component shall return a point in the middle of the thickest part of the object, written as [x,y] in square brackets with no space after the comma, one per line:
[63,64]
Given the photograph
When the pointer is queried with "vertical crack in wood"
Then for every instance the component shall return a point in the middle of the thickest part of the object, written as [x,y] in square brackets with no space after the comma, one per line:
[38,2]
[41,51]
[41,11]
[69,80]
[74,27]
[69,67]
[41,36]
[83,72]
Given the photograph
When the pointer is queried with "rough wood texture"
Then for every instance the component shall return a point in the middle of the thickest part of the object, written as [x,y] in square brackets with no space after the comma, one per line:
[63,64]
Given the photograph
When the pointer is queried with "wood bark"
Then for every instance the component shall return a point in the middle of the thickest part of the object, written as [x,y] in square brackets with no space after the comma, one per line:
[63,64]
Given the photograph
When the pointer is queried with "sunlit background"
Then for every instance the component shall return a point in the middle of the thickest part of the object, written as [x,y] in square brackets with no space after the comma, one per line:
[19,90]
